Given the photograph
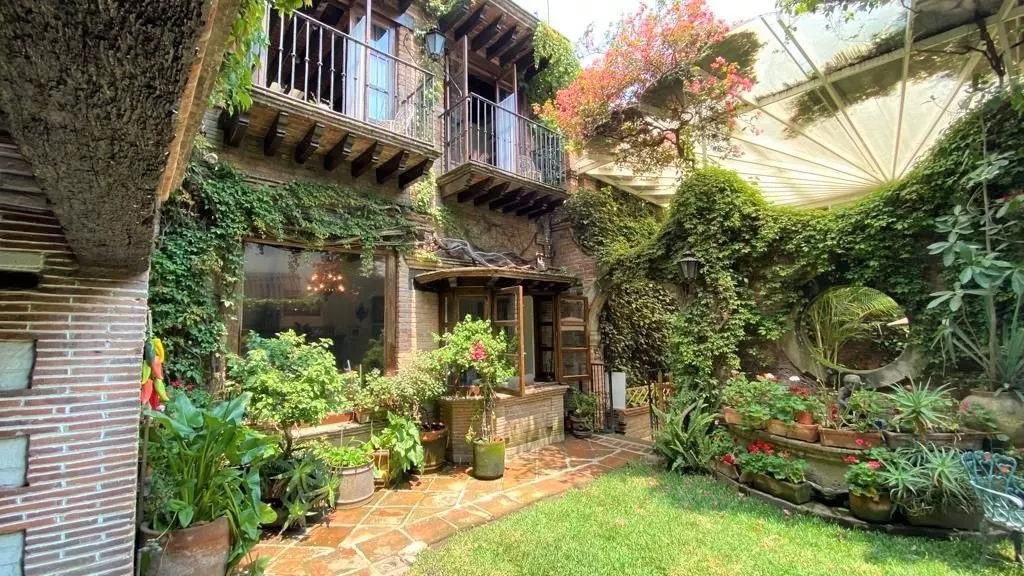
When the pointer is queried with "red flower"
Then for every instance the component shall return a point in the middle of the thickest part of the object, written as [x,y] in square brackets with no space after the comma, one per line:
[188,387]
[874,464]
[860,442]
[851,460]
[729,459]
[753,448]
[478,353]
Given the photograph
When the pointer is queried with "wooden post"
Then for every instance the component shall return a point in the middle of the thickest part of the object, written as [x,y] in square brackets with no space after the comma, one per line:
[367,39]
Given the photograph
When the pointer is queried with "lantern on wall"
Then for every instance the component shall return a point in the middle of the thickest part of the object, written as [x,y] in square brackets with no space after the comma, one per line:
[689,266]
[435,42]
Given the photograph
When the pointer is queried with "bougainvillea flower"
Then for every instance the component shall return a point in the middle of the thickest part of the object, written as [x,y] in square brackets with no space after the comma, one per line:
[874,464]
[478,353]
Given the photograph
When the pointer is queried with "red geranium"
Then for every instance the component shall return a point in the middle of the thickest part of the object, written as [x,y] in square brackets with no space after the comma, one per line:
[729,459]
[851,460]
[874,464]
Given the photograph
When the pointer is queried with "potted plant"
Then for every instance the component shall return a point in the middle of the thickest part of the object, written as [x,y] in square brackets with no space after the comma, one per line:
[353,466]
[582,418]
[983,323]
[869,495]
[748,403]
[400,442]
[300,487]
[202,494]
[928,415]
[474,345]
[930,485]
[723,450]
[417,384]
[857,424]
[776,473]
[794,412]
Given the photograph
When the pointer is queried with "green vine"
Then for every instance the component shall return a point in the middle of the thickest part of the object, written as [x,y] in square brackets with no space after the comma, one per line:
[200,249]
[553,55]
[438,9]
[760,262]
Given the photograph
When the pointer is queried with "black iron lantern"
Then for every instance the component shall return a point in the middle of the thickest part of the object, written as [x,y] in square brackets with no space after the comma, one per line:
[689,265]
[434,41]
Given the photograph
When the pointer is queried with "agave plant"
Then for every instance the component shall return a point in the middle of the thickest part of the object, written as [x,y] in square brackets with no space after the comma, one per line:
[922,409]
[924,478]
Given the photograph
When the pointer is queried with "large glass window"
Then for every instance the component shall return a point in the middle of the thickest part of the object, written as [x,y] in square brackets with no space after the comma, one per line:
[319,294]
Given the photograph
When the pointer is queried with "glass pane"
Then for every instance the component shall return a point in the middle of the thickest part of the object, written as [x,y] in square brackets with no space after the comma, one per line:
[505,308]
[546,310]
[574,363]
[473,306]
[547,364]
[571,310]
[547,336]
[320,295]
[574,338]
[510,334]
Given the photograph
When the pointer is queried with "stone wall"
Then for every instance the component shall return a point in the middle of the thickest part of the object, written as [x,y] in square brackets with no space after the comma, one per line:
[70,350]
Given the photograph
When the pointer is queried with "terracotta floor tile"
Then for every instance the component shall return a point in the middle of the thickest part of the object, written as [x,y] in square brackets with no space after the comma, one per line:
[349,517]
[401,498]
[613,461]
[421,512]
[448,484]
[499,505]
[387,544]
[329,536]
[362,533]
[341,561]
[386,516]
[430,530]
[463,518]
[440,499]
[390,567]
[291,562]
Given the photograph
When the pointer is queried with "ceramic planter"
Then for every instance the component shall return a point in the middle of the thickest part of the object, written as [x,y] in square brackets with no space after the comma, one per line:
[849,439]
[877,510]
[488,459]
[795,493]
[580,427]
[805,418]
[731,416]
[948,518]
[967,440]
[434,442]
[199,549]
[796,431]
[356,486]
[728,470]
[777,427]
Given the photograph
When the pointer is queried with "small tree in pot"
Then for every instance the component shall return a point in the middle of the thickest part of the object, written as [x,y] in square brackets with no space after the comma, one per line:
[583,414]
[474,345]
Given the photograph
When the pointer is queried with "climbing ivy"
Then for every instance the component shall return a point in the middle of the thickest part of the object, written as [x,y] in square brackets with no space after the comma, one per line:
[760,262]
[635,320]
[553,55]
[199,255]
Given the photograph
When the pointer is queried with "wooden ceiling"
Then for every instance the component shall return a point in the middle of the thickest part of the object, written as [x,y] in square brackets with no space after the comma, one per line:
[498,31]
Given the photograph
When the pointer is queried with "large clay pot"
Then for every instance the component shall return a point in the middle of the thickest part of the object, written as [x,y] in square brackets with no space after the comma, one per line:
[732,416]
[877,510]
[968,440]
[435,445]
[1007,410]
[795,493]
[952,519]
[805,418]
[488,459]
[356,486]
[850,439]
[199,550]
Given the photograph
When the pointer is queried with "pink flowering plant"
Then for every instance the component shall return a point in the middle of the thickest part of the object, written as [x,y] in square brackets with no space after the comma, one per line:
[864,476]
[753,399]
[763,458]
[476,348]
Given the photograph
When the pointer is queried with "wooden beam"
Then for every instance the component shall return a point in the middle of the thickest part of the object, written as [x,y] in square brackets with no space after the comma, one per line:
[514,52]
[452,17]
[473,190]
[234,127]
[396,164]
[525,61]
[503,43]
[366,160]
[403,6]
[551,206]
[510,196]
[275,134]
[467,26]
[537,204]
[523,201]
[340,152]
[309,143]
[484,37]
[491,194]
[413,174]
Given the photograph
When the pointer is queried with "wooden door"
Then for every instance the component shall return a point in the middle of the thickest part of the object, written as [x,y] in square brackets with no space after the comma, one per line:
[572,342]
[507,317]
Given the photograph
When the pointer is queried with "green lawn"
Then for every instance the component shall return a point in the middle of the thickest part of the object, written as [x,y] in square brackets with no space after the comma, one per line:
[641,521]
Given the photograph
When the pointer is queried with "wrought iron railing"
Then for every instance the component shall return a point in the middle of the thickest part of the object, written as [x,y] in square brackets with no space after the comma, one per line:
[478,130]
[310,61]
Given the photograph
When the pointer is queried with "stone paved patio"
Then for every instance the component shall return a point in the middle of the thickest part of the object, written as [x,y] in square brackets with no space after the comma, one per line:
[382,537]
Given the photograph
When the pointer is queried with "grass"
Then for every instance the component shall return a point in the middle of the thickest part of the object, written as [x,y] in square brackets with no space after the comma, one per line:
[646,522]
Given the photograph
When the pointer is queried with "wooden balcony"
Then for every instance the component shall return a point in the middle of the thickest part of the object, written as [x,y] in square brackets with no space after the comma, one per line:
[500,159]
[333,97]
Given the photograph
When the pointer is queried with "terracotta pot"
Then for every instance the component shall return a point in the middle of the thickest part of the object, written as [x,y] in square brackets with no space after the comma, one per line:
[1007,410]
[337,418]
[967,440]
[488,459]
[805,418]
[848,439]
[580,427]
[728,470]
[356,487]
[777,427]
[803,432]
[731,416]
[363,416]
[878,510]
[198,550]
[382,466]
[795,493]
[435,443]
[950,519]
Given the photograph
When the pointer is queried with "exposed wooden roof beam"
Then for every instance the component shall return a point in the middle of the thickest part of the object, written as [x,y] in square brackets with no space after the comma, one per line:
[491,194]
[467,26]
[393,166]
[275,134]
[413,174]
[503,43]
[475,189]
[309,143]
[366,160]
[523,201]
[510,196]
[484,37]
[340,152]
[233,126]
[515,51]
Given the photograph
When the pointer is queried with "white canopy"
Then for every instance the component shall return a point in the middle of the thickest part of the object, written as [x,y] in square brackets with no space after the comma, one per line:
[840,108]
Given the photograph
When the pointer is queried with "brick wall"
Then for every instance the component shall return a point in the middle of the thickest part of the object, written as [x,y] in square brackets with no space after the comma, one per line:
[525,422]
[80,412]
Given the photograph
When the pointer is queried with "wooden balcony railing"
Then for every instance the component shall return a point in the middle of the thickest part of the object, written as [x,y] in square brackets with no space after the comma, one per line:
[478,130]
[312,62]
